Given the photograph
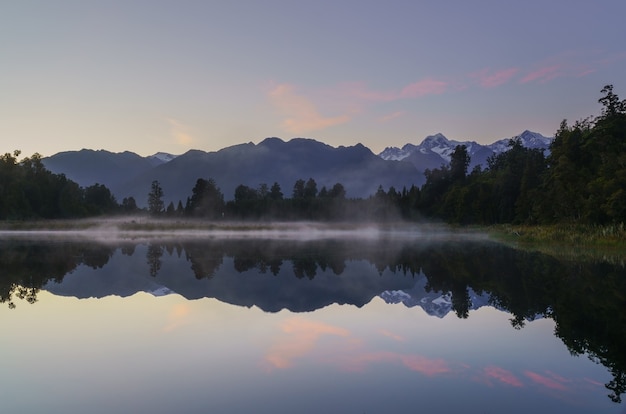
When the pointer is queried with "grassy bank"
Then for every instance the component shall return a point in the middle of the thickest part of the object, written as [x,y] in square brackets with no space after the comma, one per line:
[567,240]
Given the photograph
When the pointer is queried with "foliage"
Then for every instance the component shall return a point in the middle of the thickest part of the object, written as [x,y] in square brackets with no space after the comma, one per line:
[582,180]
[206,200]
[29,191]
[155,199]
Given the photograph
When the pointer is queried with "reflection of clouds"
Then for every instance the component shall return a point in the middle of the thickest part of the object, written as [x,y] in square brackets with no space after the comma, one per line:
[391,335]
[301,339]
[502,375]
[419,363]
[177,317]
[552,383]
[426,366]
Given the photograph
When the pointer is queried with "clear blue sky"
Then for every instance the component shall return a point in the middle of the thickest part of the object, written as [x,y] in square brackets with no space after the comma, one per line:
[150,76]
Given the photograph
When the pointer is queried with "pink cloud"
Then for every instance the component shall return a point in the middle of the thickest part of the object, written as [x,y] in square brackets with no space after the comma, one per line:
[389,117]
[301,337]
[545,381]
[358,362]
[502,375]
[422,88]
[360,91]
[490,80]
[300,114]
[426,366]
[544,74]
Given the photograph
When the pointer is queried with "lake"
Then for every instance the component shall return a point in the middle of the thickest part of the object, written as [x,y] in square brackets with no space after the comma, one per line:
[359,321]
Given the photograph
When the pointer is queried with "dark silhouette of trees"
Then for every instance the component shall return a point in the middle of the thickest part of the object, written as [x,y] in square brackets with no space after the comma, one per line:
[99,200]
[586,177]
[206,200]
[275,192]
[155,199]
[129,205]
[29,191]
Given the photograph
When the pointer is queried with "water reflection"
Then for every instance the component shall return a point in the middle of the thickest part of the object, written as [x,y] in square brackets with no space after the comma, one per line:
[586,300]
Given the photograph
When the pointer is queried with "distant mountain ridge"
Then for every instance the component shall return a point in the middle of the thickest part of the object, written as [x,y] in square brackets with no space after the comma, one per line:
[436,150]
[272,160]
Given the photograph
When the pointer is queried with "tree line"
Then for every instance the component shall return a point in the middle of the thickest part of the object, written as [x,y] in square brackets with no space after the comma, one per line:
[582,179]
[29,191]
[307,202]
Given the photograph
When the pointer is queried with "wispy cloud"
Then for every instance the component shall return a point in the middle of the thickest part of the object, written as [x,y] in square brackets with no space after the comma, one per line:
[502,375]
[300,338]
[544,74]
[552,383]
[571,64]
[300,114]
[393,115]
[180,132]
[424,87]
[418,89]
[359,361]
[425,365]
[489,79]
[391,335]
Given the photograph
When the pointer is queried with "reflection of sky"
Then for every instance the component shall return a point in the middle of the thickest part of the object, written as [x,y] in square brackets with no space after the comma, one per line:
[167,354]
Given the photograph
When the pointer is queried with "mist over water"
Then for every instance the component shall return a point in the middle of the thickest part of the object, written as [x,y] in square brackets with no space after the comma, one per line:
[122,228]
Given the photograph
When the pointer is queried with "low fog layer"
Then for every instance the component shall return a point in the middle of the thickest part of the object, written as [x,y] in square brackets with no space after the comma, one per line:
[138,229]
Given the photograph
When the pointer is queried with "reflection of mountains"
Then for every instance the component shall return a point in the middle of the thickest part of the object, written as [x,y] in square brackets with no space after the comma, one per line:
[587,301]
[269,274]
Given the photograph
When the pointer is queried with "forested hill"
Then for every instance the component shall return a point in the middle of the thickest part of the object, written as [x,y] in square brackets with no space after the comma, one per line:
[582,179]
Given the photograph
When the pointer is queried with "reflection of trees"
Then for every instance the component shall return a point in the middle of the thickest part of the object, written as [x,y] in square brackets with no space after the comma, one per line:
[26,266]
[153,258]
[205,259]
[586,300]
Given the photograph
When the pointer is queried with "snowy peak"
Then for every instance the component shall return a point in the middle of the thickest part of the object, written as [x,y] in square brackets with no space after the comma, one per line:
[534,140]
[162,157]
[529,139]
[395,153]
[434,141]
[436,149]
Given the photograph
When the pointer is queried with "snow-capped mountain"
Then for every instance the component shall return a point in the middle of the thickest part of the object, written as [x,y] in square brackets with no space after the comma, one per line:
[162,157]
[436,150]
[529,139]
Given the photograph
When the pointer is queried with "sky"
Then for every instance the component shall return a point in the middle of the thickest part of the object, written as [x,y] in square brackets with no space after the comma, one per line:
[149,76]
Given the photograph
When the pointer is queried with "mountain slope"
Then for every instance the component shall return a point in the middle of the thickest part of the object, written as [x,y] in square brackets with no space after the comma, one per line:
[88,167]
[274,160]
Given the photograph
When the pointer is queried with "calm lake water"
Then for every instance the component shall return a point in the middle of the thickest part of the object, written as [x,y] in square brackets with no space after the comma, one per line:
[275,323]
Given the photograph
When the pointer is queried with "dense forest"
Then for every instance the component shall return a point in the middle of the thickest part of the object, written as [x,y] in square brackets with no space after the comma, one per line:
[581,179]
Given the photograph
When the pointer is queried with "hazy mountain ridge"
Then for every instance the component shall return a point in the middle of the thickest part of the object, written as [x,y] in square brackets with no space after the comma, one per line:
[272,160]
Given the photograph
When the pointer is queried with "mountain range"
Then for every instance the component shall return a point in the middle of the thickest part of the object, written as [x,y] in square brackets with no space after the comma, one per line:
[437,149]
[272,160]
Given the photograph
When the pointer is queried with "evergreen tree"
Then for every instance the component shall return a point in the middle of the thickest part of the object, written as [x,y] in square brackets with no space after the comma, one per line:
[155,199]
[275,192]
[207,199]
